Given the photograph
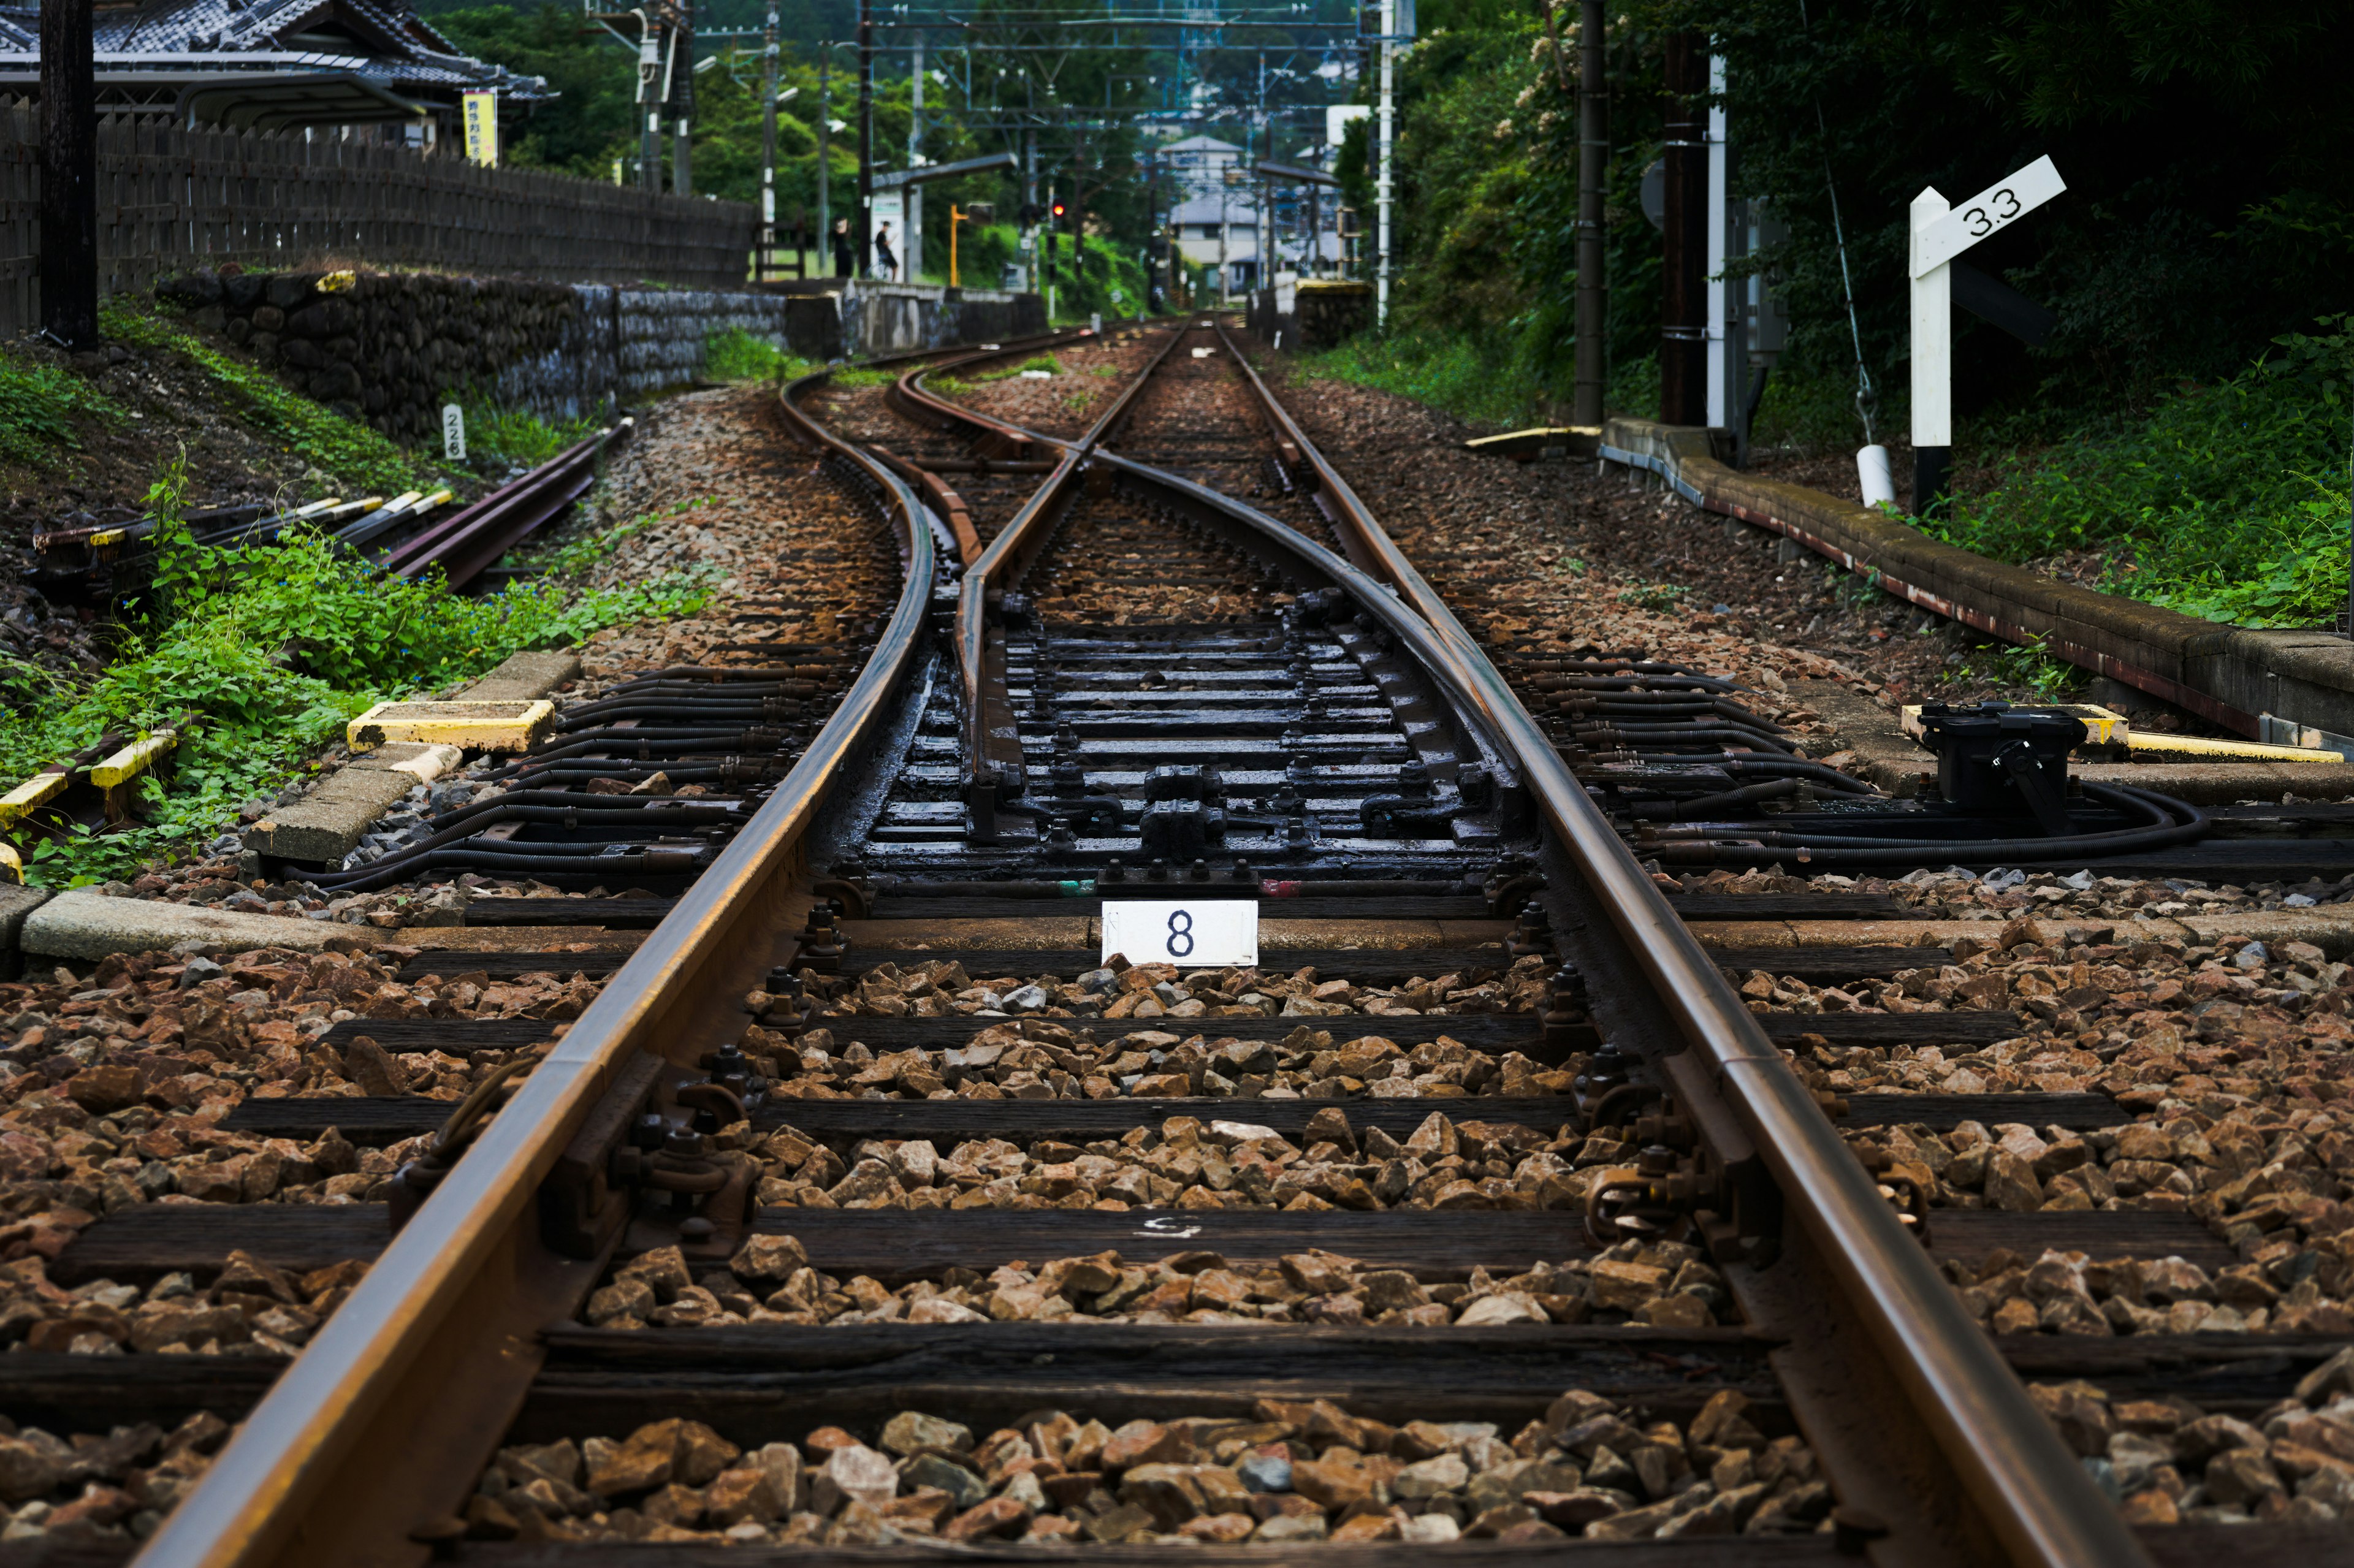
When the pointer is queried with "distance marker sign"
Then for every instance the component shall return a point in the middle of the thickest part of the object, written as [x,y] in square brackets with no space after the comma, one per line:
[1993,208]
[1206,933]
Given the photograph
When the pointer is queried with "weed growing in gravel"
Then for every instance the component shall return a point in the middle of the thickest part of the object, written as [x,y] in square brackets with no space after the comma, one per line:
[735,355]
[1450,373]
[857,375]
[2228,502]
[1042,362]
[321,437]
[499,439]
[39,404]
[2030,667]
[270,650]
[1657,597]
[948,385]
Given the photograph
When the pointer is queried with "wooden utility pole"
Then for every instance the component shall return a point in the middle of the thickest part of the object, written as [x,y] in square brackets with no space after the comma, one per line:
[1593,172]
[68,176]
[1684,327]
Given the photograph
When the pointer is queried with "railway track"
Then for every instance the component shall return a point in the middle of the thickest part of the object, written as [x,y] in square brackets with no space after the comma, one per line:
[865,1210]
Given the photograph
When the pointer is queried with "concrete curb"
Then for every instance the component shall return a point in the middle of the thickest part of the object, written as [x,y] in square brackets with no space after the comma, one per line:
[16,903]
[523,677]
[2228,674]
[83,923]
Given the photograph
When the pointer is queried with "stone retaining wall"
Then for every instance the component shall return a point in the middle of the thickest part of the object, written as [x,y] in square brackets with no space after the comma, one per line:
[392,347]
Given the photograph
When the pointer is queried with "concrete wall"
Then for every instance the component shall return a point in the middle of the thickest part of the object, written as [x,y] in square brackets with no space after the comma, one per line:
[391,348]
[897,318]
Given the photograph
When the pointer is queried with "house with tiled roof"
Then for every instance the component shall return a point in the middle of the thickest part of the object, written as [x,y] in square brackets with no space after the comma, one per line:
[271,64]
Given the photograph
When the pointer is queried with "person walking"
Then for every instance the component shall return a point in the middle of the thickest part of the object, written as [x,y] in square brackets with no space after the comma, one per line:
[846,265]
[886,265]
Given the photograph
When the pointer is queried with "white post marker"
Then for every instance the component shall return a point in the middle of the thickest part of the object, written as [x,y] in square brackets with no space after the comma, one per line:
[1205,933]
[1941,232]
[453,432]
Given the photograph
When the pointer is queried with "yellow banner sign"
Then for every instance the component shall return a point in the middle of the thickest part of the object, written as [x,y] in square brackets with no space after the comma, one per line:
[482,109]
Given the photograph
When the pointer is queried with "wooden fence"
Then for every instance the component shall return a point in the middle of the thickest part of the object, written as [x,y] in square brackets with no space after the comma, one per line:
[169,199]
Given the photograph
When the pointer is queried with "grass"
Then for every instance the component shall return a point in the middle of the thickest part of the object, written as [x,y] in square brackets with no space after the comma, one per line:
[322,437]
[2229,502]
[735,355]
[1046,362]
[948,385]
[268,651]
[508,437]
[1449,372]
[851,375]
[41,406]
[2046,676]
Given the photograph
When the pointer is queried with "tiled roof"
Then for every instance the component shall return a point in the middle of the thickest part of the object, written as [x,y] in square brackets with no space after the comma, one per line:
[382,40]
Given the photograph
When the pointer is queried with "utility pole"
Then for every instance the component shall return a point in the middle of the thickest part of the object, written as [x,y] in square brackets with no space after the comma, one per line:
[1593,173]
[768,144]
[866,225]
[682,77]
[1263,192]
[911,243]
[1029,203]
[1726,363]
[1385,117]
[68,176]
[1683,343]
[652,90]
[824,164]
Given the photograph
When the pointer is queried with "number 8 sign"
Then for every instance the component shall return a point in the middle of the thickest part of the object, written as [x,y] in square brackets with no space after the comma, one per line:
[1201,933]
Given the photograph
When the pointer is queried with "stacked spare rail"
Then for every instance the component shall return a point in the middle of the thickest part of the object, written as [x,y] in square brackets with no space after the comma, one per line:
[405,535]
[873,1204]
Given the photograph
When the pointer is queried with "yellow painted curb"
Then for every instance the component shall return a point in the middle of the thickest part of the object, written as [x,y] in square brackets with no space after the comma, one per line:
[470,727]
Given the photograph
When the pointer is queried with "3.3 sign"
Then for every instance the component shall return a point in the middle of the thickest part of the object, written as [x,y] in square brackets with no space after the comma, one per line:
[1993,208]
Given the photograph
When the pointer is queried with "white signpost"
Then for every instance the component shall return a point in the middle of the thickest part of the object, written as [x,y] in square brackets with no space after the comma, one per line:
[1941,231]
[1202,933]
[453,432]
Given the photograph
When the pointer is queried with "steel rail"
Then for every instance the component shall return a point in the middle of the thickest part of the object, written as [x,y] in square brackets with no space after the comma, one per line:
[471,539]
[1010,553]
[2043,1508]
[303,1482]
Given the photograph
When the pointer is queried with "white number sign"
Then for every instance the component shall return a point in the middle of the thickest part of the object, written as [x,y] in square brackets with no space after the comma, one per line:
[1206,934]
[1993,208]
[453,432]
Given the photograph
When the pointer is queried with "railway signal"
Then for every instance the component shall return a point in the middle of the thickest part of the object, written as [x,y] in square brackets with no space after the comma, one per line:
[1941,232]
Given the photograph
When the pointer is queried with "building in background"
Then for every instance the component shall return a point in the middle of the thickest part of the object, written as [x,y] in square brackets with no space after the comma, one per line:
[275,65]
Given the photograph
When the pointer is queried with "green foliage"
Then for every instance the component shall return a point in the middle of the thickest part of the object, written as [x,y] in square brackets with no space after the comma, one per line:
[2229,502]
[2205,213]
[326,440]
[2029,667]
[1046,363]
[735,355]
[1086,280]
[1658,598]
[1447,371]
[40,406]
[268,651]
[503,437]
[859,376]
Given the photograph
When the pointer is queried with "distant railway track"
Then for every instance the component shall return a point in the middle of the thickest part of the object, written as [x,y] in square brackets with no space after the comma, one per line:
[1483,1163]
